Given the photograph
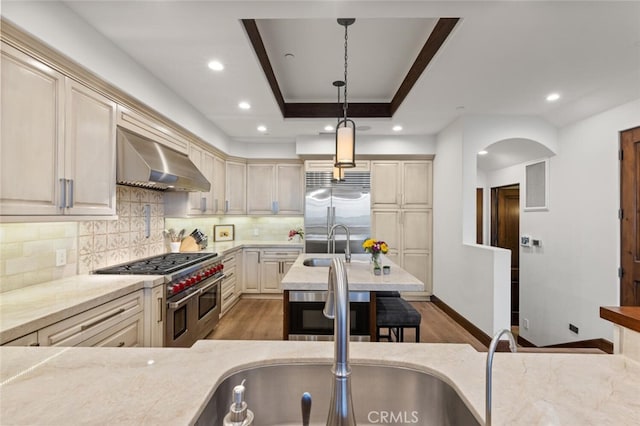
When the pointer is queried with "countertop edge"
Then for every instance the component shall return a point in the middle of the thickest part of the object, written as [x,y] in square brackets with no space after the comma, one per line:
[625,316]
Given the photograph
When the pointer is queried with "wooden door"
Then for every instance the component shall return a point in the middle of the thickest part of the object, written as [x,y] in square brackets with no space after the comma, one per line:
[505,231]
[630,223]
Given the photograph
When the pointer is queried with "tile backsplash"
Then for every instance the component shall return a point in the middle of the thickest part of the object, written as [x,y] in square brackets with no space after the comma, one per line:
[28,250]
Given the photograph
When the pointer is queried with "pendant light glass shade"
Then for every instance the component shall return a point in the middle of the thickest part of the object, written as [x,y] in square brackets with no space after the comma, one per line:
[345,144]
[338,173]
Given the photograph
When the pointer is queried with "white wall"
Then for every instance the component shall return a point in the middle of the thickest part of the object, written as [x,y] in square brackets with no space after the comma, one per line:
[472,279]
[575,270]
[324,144]
[62,29]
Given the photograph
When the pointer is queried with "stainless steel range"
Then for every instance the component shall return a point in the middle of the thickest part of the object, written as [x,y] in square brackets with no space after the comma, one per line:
[192,292]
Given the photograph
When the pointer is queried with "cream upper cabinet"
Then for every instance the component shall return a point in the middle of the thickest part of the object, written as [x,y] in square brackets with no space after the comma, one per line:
[218,186]
[201,202]
[147,127]
[32,145]
[90,151]
[401,184]
[236,188]
[275,188]
[57,151]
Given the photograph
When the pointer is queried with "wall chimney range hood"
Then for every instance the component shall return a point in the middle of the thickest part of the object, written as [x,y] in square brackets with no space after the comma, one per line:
[145,163]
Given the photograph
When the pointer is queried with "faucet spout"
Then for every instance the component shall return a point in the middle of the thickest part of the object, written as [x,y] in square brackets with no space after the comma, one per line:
[337,308]
[492,350]
[331,241]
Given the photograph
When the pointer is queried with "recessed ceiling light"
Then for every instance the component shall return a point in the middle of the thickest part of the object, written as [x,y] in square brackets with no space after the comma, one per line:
[397,128]
[552,97]
[483,152]
[244,105]
[216,65]
[328,128]
[262,128]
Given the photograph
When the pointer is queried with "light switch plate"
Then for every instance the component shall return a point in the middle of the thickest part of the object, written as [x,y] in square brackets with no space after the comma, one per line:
[61,257]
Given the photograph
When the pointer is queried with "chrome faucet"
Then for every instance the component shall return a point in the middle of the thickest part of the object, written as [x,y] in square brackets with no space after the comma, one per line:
[332,240]
[492,350]
[337,308]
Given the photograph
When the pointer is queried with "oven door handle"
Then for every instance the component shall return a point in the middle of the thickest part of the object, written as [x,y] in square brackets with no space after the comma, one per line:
[179,303]
[216,281]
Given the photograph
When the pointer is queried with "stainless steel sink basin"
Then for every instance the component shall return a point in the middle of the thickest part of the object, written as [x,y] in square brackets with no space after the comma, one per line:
[317,261]
[381,395]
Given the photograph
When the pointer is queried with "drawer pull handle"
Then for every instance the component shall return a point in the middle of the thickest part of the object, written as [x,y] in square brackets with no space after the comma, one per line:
[229,275]
[160,309]
[34,344]
[228,296]
[96,322]
[121,344]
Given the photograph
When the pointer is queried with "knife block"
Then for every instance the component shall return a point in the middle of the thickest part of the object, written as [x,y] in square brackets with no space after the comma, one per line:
[189,244]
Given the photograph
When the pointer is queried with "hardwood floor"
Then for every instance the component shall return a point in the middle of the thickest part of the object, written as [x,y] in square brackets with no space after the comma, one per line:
[258,319]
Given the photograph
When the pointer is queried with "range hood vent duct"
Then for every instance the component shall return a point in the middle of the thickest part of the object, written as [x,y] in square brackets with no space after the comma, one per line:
[145,163]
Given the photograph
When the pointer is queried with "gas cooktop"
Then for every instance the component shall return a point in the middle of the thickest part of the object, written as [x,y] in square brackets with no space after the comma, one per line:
[158,265]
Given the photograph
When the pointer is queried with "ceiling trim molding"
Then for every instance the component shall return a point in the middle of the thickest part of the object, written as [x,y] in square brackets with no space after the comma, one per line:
[436,39]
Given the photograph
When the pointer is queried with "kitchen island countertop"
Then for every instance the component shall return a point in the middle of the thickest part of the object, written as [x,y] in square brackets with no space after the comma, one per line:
[171,386]
[359,274]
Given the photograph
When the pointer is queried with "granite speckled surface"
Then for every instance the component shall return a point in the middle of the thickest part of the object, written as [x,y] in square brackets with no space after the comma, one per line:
[167,386]
[359,273]
[28,309]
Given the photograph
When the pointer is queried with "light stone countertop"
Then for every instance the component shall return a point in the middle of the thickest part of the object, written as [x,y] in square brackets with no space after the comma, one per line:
[28,309]
[170,386]
[224,247]
[359,274]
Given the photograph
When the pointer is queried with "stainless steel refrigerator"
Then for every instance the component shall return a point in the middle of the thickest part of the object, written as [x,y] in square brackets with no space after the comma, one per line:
[328,203]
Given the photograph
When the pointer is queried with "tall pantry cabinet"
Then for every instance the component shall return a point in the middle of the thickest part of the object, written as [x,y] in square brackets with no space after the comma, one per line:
[401,214]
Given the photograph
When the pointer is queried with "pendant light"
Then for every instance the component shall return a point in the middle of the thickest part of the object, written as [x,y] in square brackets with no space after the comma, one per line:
[338,173]
[346,128]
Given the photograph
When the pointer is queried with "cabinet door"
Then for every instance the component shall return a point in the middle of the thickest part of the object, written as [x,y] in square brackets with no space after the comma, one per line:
[197,200]
[385,226]
[31,144]
[236,188]
[290,189]
[416,184]
[156,311]
[90,152]
[271,271]
[28,340]
[418,265]
[251,276]
[218,186]
[126,334]
[385,184]
[260,185]
[416,230]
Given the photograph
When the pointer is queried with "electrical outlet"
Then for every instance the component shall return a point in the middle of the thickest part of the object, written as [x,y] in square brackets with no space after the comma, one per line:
[573,328]
[525,323]
[61,257]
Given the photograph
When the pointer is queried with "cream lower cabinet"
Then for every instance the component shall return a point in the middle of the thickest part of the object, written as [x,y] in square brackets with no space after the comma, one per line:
[264,269]
[119,322]
[57,153]
[155,310]
[230,291]
[30,339]
[408,233]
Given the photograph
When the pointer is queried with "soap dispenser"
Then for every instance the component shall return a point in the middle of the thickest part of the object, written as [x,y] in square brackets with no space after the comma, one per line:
[239,414]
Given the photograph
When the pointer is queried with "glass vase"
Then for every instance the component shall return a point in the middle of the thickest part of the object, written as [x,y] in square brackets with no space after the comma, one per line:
[375,259]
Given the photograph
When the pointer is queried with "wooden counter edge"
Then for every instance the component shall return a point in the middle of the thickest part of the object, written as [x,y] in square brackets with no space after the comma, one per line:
[625,316]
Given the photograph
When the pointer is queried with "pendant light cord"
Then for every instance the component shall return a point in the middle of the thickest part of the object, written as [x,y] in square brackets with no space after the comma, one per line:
[345,72]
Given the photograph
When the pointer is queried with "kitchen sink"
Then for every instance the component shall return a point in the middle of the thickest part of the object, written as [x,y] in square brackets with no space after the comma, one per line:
[381,395]
[317,261]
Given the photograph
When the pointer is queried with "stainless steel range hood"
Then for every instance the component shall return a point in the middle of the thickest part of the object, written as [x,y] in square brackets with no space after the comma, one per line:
[145,163]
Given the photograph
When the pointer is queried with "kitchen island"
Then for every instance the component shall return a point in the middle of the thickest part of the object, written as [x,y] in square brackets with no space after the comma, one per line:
[304,288]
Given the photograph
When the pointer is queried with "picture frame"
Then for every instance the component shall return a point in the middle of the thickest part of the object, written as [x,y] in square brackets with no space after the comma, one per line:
[223,232]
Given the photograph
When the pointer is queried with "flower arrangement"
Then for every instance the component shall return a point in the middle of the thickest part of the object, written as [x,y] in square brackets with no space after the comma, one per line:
[294,232]
[374,247]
